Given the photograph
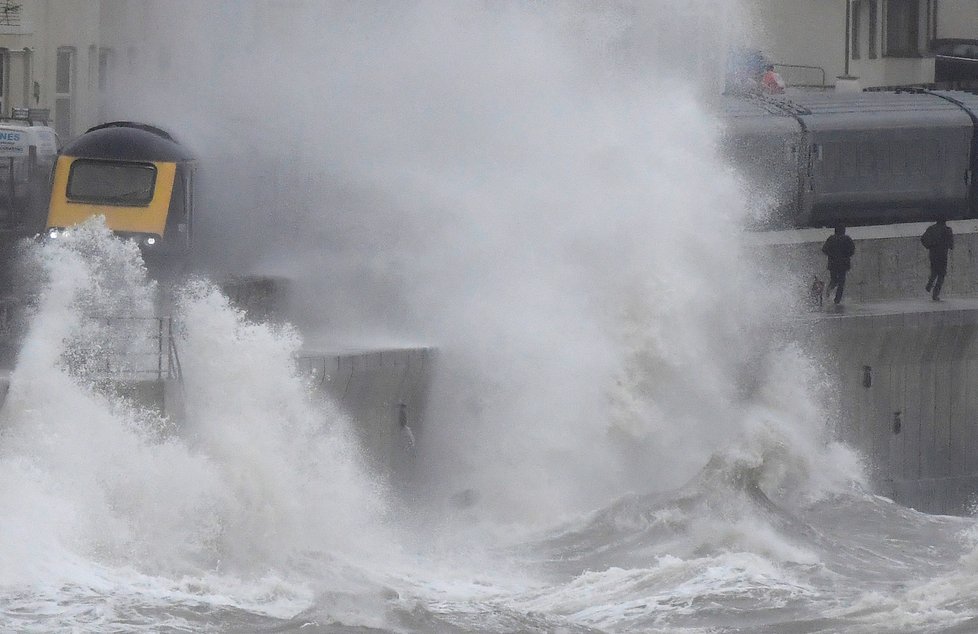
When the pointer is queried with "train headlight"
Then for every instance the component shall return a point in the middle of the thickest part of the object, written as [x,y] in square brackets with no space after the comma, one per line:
[56,232]
[150,241]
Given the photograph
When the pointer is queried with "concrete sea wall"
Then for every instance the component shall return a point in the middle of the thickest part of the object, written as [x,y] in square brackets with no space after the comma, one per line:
[889,263]
[384,393]
[905,368]
[907,387]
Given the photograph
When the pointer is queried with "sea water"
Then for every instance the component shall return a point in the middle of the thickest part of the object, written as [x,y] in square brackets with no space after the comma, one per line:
[619,438]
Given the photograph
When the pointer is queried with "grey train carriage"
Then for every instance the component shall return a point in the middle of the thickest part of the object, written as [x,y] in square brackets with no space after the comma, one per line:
[859,158]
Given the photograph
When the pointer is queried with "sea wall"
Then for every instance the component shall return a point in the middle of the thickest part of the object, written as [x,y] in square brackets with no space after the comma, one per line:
[890,262]
[906,380]
[904,368]
[384,392]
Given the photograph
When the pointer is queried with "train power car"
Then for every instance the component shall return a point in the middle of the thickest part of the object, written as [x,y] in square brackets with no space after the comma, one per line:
[136,176]
[856,158]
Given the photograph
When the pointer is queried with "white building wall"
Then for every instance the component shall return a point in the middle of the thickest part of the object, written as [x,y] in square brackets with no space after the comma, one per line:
[24,46]
[958,19]
[72,25]
[46,26]
[790,32]
[813,32]
[802,32]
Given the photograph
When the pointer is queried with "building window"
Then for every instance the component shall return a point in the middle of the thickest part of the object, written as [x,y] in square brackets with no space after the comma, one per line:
[902,28]
[874,25]
[62,81]
[103,69]
[856,9]
[92,67]
[64,84]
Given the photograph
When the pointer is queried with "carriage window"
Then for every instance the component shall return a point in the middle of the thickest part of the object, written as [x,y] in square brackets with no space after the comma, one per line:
[125,184]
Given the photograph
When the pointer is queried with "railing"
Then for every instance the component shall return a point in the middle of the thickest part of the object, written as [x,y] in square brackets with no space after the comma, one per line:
[968,85]
[131,348]
[143,348]
[313,366]
[789,75]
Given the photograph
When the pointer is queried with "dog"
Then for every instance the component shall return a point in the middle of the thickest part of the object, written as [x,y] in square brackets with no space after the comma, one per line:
[816,292]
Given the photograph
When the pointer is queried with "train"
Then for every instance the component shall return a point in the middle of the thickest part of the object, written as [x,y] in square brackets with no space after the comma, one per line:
[138,177]
[821,159]
[816,159]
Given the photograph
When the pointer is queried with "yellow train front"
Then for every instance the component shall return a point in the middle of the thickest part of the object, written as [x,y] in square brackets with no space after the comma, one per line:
[136,176]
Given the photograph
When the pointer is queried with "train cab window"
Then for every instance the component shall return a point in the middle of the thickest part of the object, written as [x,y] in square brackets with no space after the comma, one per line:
[109,183]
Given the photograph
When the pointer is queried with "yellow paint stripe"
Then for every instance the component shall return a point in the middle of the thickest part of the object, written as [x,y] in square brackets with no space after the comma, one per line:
[148,219]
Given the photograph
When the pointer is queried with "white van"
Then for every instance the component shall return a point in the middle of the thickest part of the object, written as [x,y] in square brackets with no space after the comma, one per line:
[16,141]
[27,157]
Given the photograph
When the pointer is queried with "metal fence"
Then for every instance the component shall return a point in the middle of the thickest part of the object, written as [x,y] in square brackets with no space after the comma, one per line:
[801,76]
[314,367]
[144,348]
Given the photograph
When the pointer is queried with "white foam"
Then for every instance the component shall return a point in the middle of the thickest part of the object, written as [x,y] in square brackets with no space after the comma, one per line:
[101,497]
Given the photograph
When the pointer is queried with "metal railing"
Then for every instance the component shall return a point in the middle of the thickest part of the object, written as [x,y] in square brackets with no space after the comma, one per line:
[967,85]
[314,367]
[144,348]
[789,75]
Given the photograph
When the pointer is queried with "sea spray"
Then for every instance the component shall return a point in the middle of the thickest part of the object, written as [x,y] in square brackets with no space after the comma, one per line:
[76,449]
[534,189]
[262,486]
[504,193]
[294,467]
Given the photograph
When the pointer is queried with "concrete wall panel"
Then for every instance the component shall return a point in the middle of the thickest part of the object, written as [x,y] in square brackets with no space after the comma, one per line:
[385,394]
[923,369]
[969,388]
[911,423]
[883,268]
[926,438]
[372,404]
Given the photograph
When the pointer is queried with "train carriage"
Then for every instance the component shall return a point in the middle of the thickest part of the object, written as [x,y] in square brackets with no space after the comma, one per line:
[138,177]
[857,158]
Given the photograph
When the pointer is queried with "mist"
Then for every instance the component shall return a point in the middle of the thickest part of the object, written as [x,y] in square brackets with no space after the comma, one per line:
[532,188]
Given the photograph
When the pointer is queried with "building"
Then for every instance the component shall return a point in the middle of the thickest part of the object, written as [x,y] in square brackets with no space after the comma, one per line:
[50,58]
[59,56]
[869,43]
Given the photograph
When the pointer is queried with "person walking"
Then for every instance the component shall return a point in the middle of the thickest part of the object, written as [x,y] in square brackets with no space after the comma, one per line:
[839,248]
[938,239]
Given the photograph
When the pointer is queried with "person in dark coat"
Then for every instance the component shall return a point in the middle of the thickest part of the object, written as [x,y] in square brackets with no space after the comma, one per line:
[839,248]
[939,239]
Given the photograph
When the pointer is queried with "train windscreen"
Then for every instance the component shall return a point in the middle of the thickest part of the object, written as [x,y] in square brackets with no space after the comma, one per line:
[111,183]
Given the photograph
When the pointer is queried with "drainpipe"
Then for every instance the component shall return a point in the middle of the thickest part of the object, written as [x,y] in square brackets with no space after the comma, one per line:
[848,35]
[28,76]
[846,82]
